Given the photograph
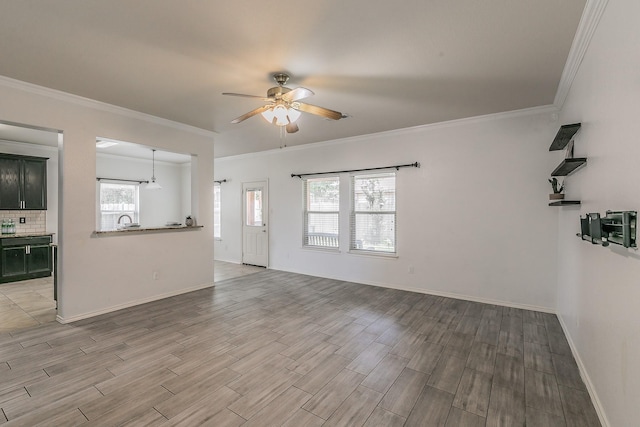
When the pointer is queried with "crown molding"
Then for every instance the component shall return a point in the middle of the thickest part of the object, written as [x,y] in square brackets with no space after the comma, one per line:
[101,106]
[591,15]
[545,109]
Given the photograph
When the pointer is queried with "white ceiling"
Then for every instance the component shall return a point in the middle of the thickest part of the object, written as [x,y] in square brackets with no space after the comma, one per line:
[388,65]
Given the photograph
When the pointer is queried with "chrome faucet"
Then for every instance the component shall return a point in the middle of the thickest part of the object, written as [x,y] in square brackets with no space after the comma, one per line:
[125,215]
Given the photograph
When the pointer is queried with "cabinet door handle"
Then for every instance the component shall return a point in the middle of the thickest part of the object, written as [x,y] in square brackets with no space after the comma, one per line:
[28,249]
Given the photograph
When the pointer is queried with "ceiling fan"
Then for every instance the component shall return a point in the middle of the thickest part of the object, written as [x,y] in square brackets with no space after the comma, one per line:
[283,105]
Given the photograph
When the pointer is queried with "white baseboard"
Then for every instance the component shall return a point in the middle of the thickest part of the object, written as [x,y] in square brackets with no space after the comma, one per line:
[230,261]
[111,309]
[585,377]
[437,293]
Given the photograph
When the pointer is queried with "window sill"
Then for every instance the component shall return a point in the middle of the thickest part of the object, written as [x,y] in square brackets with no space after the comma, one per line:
[364,253]
[148,230]
[321,249]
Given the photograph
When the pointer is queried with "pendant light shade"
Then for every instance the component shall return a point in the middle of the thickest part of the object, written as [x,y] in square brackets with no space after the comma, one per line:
[153,185]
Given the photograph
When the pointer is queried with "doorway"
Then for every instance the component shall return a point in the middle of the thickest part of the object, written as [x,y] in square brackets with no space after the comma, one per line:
[255,230]
[33,301]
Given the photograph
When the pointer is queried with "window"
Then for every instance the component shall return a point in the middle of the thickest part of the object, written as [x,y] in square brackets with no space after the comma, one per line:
[373,216]
[216,211]
[119,205]
[321,212]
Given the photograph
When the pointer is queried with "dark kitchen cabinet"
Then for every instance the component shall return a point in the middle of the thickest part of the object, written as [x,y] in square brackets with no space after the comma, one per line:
[23,182]
[24,258]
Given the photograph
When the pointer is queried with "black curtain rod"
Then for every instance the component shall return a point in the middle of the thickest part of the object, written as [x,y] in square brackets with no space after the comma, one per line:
[220,181]
[139,181]
[396,167]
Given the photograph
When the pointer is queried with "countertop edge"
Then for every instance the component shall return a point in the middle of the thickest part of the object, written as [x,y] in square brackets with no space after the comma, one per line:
[145,230]
[23,235]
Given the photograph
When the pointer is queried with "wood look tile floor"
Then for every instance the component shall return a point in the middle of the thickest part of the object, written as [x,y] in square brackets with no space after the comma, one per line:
[283,349]
[30,302]
[26,303]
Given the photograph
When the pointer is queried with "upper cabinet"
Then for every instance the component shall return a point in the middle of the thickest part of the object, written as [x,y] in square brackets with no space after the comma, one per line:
[23,182]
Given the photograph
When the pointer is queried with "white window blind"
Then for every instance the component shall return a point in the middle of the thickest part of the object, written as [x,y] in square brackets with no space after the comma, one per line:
[216,211]
[118,202]
[373,215]
[321,212]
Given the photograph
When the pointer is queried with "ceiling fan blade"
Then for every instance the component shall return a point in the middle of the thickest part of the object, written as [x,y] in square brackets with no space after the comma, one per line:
[292,128]
[251,114]
[319,111]
[296,94]
[248,96]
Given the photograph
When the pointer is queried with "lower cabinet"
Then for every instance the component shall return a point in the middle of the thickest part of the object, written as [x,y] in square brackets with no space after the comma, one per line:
[24,258]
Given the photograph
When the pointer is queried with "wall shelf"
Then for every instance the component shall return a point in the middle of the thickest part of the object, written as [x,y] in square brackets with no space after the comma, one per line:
[563,136]
[565,203]
[568,166]
[564,140]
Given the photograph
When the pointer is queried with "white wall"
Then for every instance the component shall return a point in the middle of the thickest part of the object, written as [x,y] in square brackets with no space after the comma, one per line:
[473,221]
[101,274]
[25,149]
[156,207]
[599,288]
[185,191]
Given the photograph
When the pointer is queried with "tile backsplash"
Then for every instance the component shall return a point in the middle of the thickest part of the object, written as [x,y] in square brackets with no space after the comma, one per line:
[36,221]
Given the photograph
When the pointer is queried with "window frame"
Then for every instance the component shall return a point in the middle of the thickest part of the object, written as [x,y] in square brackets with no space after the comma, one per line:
[217,211]
[353,214]
[135,218]
[306,213]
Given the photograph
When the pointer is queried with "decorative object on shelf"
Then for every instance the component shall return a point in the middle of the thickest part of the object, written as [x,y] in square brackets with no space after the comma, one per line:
[557,189]
[189,221]
[153,185]
[618,227]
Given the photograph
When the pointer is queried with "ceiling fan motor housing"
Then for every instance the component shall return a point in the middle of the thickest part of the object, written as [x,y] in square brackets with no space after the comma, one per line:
[277,92]
[281,78]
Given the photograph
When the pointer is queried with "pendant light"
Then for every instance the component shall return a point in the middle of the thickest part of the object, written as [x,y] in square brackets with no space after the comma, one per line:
[153,185]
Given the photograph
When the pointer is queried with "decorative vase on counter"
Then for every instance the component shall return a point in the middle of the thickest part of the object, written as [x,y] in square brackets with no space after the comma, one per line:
[189,221]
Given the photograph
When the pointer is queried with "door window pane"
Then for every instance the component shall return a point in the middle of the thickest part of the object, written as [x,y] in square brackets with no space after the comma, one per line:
[253,217]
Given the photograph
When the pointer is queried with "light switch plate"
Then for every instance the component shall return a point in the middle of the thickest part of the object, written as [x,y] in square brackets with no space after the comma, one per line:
[23,220]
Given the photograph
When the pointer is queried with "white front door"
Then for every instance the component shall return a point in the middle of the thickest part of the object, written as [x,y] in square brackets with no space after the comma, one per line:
[255,233]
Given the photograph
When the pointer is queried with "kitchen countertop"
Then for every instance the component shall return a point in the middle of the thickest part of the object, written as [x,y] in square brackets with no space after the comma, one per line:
[144,230]
[26,234]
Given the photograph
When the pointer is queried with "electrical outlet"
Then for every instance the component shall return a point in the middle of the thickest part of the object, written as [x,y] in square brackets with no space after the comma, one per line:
[155,275]
[410,269]
[23,220]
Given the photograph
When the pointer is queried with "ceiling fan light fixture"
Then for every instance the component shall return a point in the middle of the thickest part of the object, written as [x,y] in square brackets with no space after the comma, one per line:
[281,115]
[283,106]
[282,119]
[293,115]
[268,115]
